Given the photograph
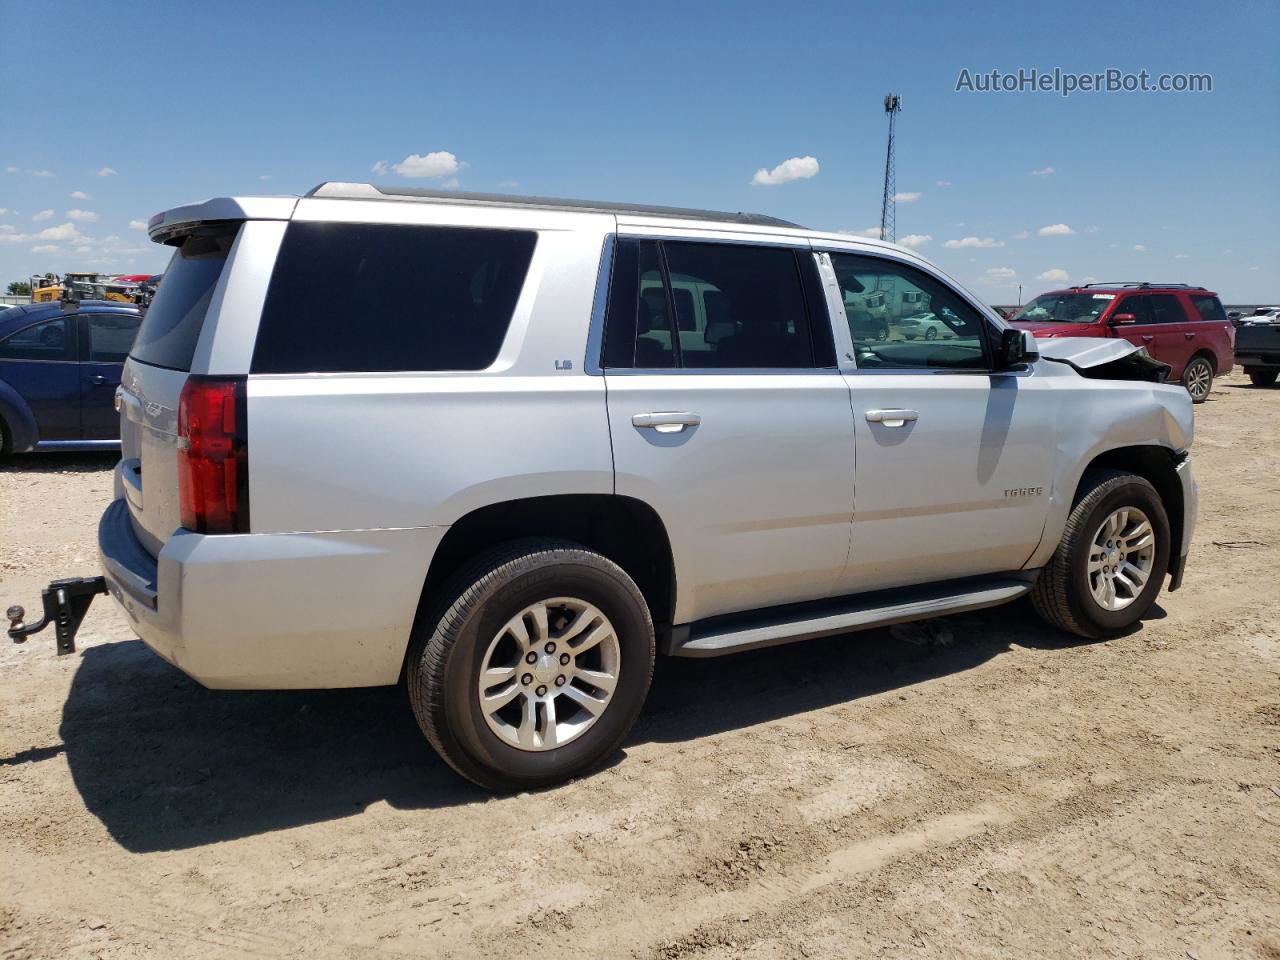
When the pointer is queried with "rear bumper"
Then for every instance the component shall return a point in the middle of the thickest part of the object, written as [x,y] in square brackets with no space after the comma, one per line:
[272,611]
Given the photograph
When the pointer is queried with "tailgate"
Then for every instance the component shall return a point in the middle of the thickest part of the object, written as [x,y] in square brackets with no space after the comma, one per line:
[1259,340]
[153,377]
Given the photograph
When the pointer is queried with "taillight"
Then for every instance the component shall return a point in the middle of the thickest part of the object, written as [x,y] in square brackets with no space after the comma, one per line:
[213,455]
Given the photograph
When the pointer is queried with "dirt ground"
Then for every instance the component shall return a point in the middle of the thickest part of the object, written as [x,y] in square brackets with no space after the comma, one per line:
[977,787]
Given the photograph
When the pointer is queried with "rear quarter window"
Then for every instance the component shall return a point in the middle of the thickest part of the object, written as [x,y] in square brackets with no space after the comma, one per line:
[1209,308]
[390,297]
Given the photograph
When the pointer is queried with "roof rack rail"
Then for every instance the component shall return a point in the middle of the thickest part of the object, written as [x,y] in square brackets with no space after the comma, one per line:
[1142,284]
[366,191]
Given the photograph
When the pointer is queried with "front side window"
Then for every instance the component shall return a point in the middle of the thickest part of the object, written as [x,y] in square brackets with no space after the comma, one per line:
[366,297]
[900,317]
[1137,306]
[111,335]
[715,306]
[50,340]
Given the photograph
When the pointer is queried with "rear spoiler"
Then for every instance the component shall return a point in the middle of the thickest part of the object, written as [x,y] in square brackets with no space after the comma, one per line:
[168,226]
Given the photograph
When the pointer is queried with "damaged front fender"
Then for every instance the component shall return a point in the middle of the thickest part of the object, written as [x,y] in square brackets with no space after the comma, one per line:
[1103,358]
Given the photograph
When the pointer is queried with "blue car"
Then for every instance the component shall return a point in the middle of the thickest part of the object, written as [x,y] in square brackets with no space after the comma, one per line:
[59,372]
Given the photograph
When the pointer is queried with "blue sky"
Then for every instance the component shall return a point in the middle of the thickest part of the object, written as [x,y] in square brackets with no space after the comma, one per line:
[675,103]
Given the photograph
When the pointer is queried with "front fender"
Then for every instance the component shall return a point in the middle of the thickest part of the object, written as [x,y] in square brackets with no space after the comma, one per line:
[20,424]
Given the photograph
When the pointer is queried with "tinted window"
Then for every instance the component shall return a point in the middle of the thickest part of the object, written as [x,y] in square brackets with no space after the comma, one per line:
[50,340]
[1165,308]
[379,297]
[1209,308]
[1139,306]
[901,317]
[707,305]
[168,335]
[110,336]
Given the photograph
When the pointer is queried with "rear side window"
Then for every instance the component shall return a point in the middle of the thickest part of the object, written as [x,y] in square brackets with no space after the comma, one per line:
[363,297]
[110,336]
[715,306]
[1209,308]
[1165,308]
[168,335]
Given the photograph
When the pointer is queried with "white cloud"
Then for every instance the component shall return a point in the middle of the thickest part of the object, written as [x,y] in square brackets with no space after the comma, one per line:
[998,275]
[796,168]
[982,243]
[441,163]
[79,195]
[450,184]
[911,197]
[84,216]
[1139,248]
[1254,268]
[1182,256]
[12,170]
[106,172]
[1042,172]
[137,224]
[1020,236]
[264,177]
[1054,275]
[84,251]
[64,231]
[43,215]
[942,183]
[1056,230]
[914,240]
[42,173]
[45,248]
[1092,228]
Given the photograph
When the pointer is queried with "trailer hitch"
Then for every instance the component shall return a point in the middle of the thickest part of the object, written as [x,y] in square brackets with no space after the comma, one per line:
[65,604]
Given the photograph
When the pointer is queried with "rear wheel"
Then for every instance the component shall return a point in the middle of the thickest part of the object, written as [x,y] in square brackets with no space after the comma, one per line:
[1198,378]
[931,333]
[1113,556]
[5,442]
[538,667]
[1263,378]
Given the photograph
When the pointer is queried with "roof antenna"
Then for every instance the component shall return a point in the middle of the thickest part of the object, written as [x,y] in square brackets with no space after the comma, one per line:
[888,205]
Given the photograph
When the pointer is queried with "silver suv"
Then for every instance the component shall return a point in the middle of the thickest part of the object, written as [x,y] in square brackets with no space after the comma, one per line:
[505,450]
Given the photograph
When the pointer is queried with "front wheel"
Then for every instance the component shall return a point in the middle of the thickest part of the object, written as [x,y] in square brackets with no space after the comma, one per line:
[1263,378]
[538,667]
[1198,379]
[1112,558]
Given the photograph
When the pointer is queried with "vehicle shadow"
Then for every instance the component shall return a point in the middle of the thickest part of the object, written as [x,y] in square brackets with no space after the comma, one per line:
[166,764]
[91,461]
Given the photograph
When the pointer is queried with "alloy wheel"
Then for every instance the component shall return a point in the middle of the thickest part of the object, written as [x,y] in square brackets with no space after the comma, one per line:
[1198,377]
[549,673]
[1121,555]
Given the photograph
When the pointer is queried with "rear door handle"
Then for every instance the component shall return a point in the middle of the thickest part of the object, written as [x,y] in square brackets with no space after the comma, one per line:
[1189,336]
[892,418]
[672,422]
[1147,338]
[98,379]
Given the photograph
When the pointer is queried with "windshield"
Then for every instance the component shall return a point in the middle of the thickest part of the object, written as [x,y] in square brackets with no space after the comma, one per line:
[1065,308]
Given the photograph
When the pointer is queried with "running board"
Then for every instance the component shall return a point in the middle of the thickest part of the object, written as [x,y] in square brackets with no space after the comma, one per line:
[766,628]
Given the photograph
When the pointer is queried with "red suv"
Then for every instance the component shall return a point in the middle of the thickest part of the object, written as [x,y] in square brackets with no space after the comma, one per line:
[1180,325]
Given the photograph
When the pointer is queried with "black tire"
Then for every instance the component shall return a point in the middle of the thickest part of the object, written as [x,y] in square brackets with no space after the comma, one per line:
[931,333]
[447,652]
[1263,378]
[6,443]
[1062,595]
[1198,378]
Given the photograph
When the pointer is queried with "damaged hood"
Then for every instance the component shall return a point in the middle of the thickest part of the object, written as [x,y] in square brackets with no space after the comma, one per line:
[1104,358]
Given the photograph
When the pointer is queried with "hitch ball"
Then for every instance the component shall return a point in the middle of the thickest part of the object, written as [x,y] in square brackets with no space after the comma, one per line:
[16,615]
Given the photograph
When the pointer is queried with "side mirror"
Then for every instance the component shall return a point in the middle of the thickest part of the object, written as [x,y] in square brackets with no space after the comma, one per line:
[1123,318]
[1016,346]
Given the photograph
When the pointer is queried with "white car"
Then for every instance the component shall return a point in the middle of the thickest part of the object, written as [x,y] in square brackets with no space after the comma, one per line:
[924,326]
[506,451]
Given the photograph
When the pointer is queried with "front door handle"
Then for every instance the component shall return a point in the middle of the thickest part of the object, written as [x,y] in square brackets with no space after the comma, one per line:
[97,379]
[892,418]
[1147,338]
[672,422]
[1189,336]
